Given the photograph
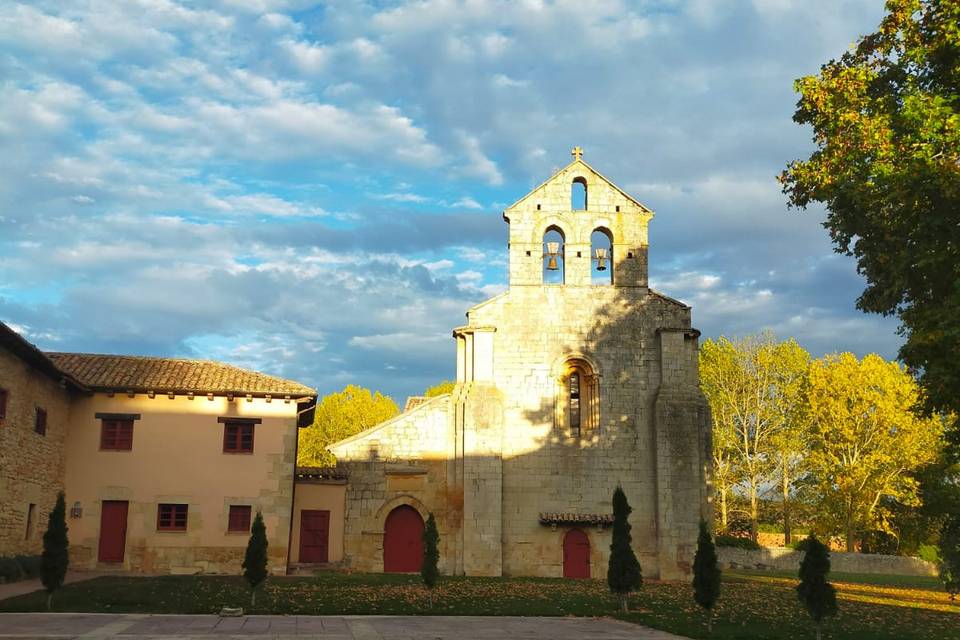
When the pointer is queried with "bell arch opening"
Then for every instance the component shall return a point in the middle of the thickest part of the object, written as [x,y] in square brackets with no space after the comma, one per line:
[554,245]
[601,256]
[578,194]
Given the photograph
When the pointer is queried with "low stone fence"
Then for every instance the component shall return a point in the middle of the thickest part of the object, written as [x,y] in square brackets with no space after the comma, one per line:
[783,559]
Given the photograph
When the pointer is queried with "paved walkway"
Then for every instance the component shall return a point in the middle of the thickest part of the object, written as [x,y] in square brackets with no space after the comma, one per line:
[167,627]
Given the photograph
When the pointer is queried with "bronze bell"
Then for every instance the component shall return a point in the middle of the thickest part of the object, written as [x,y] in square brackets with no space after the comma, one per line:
[553,250]
[601,255]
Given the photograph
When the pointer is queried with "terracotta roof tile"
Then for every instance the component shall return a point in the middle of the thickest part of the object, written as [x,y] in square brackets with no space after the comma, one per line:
[139,373]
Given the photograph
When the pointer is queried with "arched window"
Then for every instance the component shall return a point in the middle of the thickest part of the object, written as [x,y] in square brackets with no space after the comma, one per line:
[578,395]
[578,194]
[601,257]
[573,402]
[553,262]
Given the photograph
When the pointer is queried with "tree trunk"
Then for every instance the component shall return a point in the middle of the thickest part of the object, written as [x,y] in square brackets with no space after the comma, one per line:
[723,511]
[709,622]
[819,635]
[851,539]
[253,598]
[754,515]
[623,602]
[786,506]
[49,600]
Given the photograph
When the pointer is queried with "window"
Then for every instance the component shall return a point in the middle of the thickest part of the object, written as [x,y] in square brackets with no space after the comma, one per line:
[573,398]
[553,256]
[31,511]
[40,422]
[116,435]
[578,194]
[601,252]
[238,437]
[3,404]
[171,517]
[239,519]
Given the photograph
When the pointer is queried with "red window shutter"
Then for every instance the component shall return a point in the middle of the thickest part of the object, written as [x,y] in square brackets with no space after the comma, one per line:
[116,435]
[40,424]
[239,519]
[237,437]
[172,517]
[3,404]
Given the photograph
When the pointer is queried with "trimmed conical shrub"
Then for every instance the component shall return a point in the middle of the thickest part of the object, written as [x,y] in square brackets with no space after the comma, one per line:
[623,571]
[255,560]
[706,574]
[431,556]
[55,559]
[816,594]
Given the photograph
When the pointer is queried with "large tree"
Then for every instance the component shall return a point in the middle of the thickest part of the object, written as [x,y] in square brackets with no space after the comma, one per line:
[886,124]
[864,440]
[340,415]
[753,386]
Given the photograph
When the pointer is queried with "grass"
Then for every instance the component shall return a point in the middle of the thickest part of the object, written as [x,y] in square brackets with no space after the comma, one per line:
[752,605]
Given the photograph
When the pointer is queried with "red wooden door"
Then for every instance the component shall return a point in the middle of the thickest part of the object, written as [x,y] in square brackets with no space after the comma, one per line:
[403,541]
[576,554]
[113,530]
[314,535]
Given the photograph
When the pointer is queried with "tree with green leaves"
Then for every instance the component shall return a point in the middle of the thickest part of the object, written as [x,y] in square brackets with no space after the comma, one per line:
[950,554]
[431,556]
[753,386]
[340,415]
[817,595]
[56,557]
[887,167]
[706,574]
[439,389]
[255,559]
[623,570]
[865,441]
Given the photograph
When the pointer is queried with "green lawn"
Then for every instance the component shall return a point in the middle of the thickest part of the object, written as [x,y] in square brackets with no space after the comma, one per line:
[751,605]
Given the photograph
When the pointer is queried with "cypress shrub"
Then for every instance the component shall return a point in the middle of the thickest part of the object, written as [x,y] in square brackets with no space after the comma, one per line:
[623,570]
[950,555]
[816,594]
[431,556]
[706,574]
[55,559]
[255,559]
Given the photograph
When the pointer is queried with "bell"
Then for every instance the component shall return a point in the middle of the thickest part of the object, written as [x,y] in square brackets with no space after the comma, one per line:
[601,255]
[553,250]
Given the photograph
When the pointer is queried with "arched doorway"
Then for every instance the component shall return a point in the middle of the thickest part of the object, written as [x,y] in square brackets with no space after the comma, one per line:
[576,554]
[403,540]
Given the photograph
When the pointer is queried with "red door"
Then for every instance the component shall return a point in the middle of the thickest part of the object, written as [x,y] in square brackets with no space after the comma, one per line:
[113,530]
[576,554]
[314,535]
[403,541]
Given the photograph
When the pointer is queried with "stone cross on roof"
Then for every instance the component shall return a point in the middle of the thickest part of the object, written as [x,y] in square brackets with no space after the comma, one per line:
[576,153]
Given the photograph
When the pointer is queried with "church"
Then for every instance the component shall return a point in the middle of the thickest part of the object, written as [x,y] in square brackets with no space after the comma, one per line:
[576,379]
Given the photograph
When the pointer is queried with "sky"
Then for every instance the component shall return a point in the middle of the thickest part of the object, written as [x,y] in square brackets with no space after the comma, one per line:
[315,190]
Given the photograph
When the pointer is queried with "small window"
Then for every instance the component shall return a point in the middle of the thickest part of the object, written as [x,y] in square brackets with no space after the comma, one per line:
[40,422]
[116,435]
[239,519]
[31,513]
[3,404]
[238,437]
[171,517]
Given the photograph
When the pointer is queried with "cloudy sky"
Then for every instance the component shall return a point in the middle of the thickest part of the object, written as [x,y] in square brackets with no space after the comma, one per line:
[314,190]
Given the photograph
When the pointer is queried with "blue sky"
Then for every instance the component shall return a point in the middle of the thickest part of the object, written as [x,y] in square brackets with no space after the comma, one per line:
[314,190]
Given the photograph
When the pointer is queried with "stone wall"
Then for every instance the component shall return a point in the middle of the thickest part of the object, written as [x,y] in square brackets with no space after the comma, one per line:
[404,461]
[783,559]
[31,465]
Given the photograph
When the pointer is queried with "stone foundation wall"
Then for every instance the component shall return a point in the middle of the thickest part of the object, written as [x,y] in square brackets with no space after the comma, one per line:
[782,559]
[31,465]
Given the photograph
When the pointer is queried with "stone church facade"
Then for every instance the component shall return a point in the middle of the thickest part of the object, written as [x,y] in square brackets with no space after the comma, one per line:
[576,379]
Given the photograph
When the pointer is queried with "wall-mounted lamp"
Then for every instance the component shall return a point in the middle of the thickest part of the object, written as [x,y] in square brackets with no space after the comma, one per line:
[76,511]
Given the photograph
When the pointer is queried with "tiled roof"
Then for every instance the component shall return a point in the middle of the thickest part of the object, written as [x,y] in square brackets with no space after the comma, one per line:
[413,402]
[26,351]
[320,473]
[163,375]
